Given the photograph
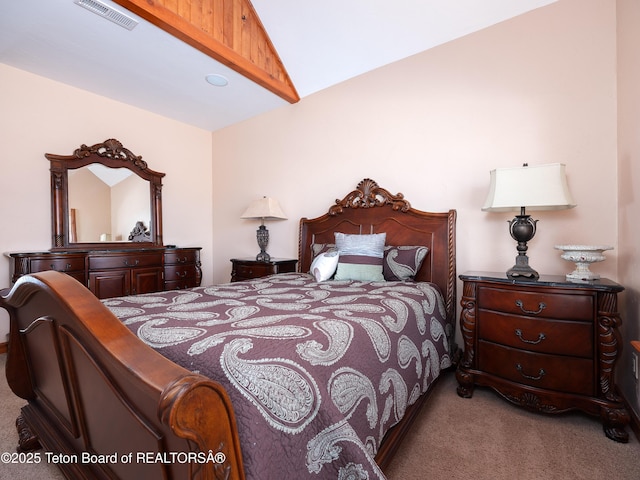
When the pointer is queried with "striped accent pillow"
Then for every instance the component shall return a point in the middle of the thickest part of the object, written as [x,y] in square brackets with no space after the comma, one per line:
[360,257]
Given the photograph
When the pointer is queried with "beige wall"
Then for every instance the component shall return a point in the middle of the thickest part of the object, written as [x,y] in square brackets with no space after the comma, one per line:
[629,186]
[39,115]
[539,88]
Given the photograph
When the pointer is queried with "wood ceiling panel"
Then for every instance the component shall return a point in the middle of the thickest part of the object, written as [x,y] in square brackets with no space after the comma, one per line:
[229,31]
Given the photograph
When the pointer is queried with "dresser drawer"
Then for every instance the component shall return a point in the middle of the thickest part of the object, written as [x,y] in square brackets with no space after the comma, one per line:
[101,262]
[179,272]
[181,257]
[60,264]
[537,334]
[554,372]
[538,304]
[181,284]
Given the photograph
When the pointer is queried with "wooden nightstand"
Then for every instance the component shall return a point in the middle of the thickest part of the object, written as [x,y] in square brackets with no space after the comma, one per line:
[547,345]
[248,268]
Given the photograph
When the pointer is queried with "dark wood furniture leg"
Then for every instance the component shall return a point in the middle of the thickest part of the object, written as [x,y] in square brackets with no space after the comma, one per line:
[27,440]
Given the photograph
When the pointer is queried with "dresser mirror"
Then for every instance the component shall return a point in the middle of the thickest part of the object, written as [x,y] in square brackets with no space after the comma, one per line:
[104,197]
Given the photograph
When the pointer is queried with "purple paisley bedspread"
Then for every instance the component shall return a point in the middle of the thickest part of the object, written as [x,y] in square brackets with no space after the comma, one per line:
[316,372]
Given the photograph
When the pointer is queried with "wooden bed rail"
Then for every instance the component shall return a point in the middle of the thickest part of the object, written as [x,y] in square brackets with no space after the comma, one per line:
[86,377]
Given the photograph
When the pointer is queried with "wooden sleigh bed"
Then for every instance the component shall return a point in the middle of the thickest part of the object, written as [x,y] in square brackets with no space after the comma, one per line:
[117,408]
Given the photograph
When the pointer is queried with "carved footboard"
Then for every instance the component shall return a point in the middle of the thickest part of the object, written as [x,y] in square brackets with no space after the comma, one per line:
[101,402]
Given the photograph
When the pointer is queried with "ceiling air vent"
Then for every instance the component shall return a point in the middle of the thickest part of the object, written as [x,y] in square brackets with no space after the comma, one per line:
[107,12]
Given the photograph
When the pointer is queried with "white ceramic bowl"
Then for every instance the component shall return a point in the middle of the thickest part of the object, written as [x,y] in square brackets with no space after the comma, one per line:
[583,256]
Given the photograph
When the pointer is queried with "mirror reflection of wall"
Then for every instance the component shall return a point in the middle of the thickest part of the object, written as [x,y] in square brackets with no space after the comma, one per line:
[129,204]
[73,231]
[91,199]
[108,202]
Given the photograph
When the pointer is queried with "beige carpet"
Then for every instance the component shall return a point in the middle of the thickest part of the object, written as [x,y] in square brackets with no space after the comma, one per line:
[485,437]
[454,438]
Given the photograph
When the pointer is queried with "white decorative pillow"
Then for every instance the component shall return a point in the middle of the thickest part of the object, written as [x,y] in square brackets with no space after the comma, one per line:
[324,265]
[360,257]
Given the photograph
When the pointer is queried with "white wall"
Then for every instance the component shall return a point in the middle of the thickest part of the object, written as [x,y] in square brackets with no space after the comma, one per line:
[41,116]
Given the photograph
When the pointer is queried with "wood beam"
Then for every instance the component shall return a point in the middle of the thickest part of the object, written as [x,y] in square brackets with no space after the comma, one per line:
[228,31]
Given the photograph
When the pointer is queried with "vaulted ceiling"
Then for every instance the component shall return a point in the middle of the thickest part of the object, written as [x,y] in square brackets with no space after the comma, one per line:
[270,52]
[228,31]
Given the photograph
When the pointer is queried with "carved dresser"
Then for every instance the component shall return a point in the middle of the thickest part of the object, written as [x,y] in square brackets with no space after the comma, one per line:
[116,273]
[547,345]
[85,201]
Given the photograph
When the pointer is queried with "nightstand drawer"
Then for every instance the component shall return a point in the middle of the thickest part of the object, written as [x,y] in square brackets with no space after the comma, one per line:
[255,270]
[248,269]
[537,304]
[537,334]
[554,372]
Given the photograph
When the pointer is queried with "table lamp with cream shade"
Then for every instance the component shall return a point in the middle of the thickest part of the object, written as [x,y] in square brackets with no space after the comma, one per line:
[264,208]
[538,187]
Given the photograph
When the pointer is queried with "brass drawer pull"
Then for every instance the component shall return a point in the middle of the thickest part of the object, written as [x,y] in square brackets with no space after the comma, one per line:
[541,306]
[541,373]
[541,336]
[135,263]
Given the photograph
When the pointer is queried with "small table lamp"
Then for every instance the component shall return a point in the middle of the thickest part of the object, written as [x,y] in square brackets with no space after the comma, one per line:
[540,187]
[264,208]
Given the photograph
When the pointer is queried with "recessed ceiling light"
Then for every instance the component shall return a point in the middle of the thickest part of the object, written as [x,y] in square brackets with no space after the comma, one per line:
[217,80]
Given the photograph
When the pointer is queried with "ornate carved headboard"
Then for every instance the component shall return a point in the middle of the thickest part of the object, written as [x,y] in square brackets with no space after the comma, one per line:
[372,209]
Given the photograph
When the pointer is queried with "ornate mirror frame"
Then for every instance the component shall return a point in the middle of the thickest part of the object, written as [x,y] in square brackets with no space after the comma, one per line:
[111,154]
